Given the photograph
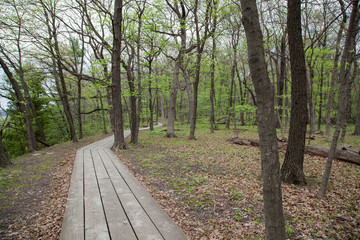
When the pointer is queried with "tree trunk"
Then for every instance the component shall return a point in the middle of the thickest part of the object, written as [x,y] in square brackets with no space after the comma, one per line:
[139,98]
[357,123]
[344,76]
[119,140]
[4,160]
[281,79]
[20,102]
[31,106]
[292,168]
[58,69]
[311,117]
[79,108]
[151,108]
[102,112]
[274,217]
[334,74]
[212,86]
[174,87]
[348,92]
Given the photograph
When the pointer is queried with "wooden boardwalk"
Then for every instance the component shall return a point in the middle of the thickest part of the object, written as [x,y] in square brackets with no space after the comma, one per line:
[105,201]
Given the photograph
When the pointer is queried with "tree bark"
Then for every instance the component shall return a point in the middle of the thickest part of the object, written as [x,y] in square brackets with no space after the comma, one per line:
[4,159]
[357,123]
[212,85]
[119,140]
[274,217]
[292,168]
[346,59]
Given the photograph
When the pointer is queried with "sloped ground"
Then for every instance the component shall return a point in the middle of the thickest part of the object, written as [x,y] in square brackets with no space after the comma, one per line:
[33,192]
[213,189]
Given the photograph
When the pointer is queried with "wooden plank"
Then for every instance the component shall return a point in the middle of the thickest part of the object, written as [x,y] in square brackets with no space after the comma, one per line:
[77,171]
[119,226]
[99,166]
[95,222]
[73,223]
[139,220]
[91,188]
[163,222]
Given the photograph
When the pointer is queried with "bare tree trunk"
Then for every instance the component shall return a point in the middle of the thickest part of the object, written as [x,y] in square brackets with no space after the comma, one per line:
[181,15]
[119,140]
[162,110]
[212,85]
[274,216]
[334,73]
[292,168]
[24,111]
[344,76]
[151,107]
[4,159]
[102,112]
[357,123]
[312,122]
[348,92]
[139,92]
[79,117]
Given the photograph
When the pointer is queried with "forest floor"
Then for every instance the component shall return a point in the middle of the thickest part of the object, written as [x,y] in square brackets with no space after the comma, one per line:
[210,187]
[33,191]
[213,189]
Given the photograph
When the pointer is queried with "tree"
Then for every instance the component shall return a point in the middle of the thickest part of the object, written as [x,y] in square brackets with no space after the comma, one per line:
[53,48]
[119,141]
[344,77]
[21,104]
[178,7]
[292,168]
[334,74]
[274,217]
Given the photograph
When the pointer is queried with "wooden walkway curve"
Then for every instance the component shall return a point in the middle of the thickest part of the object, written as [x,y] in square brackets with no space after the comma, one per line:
[105,201]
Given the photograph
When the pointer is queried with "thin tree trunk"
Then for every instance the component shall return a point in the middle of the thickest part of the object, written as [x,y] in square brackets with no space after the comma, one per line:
[312,122]
[334,74]
[344,76]
[281,80]
[139,98]
[292,168]
[24,111]
[357,123]
[212,85]
[273,209]
[102,112]
[151,120]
